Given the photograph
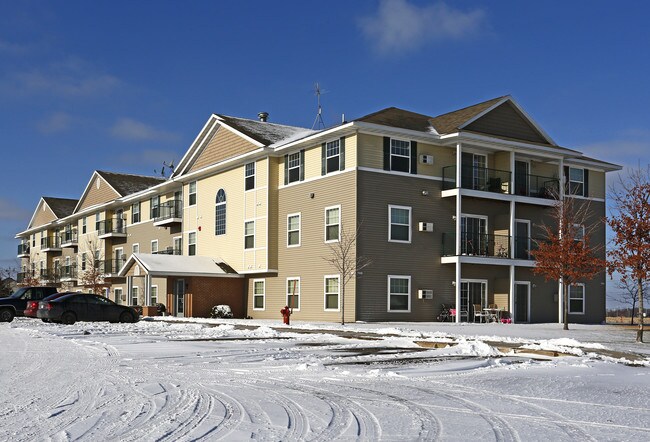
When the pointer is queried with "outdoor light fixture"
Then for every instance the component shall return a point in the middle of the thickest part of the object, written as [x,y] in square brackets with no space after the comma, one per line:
[425,193]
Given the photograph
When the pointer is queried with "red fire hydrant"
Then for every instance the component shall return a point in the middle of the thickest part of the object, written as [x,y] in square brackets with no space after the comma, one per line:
[286,312]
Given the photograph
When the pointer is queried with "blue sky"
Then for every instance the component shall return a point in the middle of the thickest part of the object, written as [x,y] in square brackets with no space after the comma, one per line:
[130,84]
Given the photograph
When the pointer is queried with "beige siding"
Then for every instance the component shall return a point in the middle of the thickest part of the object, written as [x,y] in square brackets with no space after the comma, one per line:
[98,193]
[273,168]
[224,144]
[442,156]
[502,161]
[596,184]
[370,151]
[42,216]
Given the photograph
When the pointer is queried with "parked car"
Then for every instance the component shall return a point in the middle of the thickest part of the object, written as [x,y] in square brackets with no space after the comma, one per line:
[15,304]
[85,307]
[32,306]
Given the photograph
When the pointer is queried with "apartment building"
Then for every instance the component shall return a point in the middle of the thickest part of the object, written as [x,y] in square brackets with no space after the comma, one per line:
[445,207]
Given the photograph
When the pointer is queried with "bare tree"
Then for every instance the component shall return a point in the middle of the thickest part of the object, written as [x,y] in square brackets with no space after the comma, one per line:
[630,221]
[343,257]
[7,276]
[92,269]
[564,252]
[31,276]
[629,295]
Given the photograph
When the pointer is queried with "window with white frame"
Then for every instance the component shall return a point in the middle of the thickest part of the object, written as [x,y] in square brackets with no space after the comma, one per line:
[135,213]
[98,219]
[579,234]
[332,292]
[332,156]
[293,230]
[154,209]
[192,193]
[577,299]
[293,293]
[249,234]
[119,295]
[154,294]
[191,243]
[399,219]
[178,245]
[259,294]
[332,223]
[576,181]
[83,261]
[220,213]
[293,167]
[154,246]
[249,176]
[399,293]
[400,155]
[134,295]
[84,227]
[135,248]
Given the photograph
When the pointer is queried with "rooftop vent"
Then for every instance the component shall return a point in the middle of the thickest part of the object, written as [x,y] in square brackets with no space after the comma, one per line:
[263,116]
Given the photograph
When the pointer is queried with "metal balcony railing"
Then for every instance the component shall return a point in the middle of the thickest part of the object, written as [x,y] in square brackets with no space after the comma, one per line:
[109,266]
[169,251]
[48,275]
[68,272]
[489,245]
[168,210]
[23,249]
[50,242]
[477,178]
[22,276]
[111,226]
[69,237]
[537,186]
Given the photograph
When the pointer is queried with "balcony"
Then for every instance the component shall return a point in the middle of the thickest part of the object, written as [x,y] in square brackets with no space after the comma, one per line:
[484,245]
[110,267]
[69,239]
[68,273]
[111,228]
[23,250]
[21,277]
[48,275]
[169,251]
[537,186]
[50,244]
[477,178]
[169,212]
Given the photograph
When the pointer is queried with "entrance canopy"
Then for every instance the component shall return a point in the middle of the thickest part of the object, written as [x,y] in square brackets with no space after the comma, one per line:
[176,265]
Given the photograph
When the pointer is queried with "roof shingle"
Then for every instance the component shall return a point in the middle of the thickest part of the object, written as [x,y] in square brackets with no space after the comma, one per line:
[61,207]
[126,184]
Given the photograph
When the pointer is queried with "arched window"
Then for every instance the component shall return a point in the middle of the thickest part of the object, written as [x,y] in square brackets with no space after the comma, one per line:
[220,213]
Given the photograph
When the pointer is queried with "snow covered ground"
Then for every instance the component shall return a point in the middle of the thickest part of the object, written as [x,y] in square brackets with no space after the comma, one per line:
[240,380]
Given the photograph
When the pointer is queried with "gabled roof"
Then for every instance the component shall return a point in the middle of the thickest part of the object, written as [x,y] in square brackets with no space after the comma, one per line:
[403,119]
[264,133]
[61,207]
[126,184]
[178,265]
[452,121]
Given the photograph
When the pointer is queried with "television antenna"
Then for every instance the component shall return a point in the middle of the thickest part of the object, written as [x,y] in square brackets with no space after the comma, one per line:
[169,166]
[318,122]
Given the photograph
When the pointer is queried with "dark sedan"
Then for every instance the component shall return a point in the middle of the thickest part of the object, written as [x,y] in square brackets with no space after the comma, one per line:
[32,306]
[85,307]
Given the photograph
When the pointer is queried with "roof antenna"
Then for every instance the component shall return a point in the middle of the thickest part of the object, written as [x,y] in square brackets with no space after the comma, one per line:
[318,122]
[170,166]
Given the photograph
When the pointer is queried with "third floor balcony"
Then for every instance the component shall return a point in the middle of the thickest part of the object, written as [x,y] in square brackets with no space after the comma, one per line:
[485,245]
[69,239]
[111,228]
[169,212]
[51,244]
[23,250]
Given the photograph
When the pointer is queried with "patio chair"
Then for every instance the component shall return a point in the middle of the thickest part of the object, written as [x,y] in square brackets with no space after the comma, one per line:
[478,312]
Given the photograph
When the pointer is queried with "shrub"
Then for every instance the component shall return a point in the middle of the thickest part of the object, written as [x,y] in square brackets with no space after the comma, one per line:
[161,308]
[221,311]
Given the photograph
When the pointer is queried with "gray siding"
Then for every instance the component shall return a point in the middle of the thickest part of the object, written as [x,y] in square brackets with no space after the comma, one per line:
[505,121]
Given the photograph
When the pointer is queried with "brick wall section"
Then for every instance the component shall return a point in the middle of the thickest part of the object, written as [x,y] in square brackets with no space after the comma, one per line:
[204,293]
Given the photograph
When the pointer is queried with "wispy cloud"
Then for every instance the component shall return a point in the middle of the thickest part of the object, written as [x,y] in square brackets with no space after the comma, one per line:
[129,129]
[69,78]
[626,152]
[400,26]
[10,211]
[8,47]
[56,122]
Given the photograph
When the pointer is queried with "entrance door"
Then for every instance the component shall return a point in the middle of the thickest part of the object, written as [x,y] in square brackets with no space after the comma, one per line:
[473,171]
[521,178]
[179,297]
[472,293]
[522,301]
[522,239]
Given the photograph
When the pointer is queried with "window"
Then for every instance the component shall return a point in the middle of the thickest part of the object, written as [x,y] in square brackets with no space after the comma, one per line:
[83,225]
[192,193]
[83,261]
[332,292]
[400,224]
[135,213]
[154,294]
[577,299]
[118,295]
[154,209]
[259,287]
[400,155]
[332,156]
[178,245]
[332,222]
[191,243]
[579,232]
[134,295]
[293,230]
[154,246]
[293,293]
[249,176]
[98,219]
[294,167]
[399,293]
[220,213]
[576,181]
[249,234]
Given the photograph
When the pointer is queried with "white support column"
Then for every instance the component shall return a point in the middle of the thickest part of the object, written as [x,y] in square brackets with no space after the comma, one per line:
[560,302]
[129,289]
[513,231]
[147,289]
[511,301]
[512,173]
[457,287]
[459,162]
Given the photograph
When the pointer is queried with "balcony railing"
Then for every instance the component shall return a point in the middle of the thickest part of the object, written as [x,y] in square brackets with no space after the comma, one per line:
[537,186]
[169,251]
[488,245]
[68,272]
[168,212]
[23,250]
[49,275]
[111,227]
[23,276]
[50,243]
[477,178]
[109,266]
[69,239]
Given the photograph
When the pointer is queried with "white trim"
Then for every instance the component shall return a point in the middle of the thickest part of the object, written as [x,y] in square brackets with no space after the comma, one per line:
[392,172]
[408,157]
[338,294]
[152,243]
[408,277]
[247,249]
[135,244]
[195,242]
[315,178]
[333,140]
[212,120]
[263,295]
[153,286]
[286,290]
[254,163]
[289,215]
[325,225]
[313,137]
[584,299]
[514,296]
[236,132]
[393,206]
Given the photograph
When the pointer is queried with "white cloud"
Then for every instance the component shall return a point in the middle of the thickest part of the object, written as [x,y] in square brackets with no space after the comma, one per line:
[129,129]
[56,122]
[400,26]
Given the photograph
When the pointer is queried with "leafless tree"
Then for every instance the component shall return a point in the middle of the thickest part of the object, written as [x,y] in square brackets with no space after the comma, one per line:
[7,275]
[92,271]
[628,295]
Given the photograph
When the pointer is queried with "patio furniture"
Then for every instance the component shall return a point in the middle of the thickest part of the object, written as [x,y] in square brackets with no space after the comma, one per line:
[478,313]
[463,313]
[492,314]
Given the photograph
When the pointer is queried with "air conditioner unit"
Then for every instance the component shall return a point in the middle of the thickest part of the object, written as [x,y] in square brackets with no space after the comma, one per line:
[425,227]
[426,159]
[425,294]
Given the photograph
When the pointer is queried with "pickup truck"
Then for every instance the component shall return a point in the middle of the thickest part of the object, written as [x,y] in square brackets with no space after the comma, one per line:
[15,304]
